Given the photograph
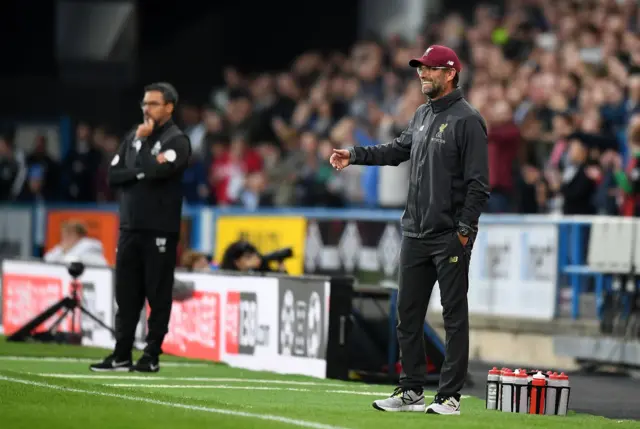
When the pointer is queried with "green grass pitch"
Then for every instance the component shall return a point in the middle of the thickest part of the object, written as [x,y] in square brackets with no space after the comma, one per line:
[38,389]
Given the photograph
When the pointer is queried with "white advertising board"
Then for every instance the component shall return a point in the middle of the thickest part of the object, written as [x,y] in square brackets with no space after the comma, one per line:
[258,323]
[30,287]
[513,272]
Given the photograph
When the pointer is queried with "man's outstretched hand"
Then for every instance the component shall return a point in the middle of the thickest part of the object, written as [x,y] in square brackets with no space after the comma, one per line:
[339,159]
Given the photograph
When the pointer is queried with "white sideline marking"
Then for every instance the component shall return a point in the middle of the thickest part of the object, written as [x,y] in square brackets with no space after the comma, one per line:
[210,386]
[213,379]
[295,422]
[226,386]
[223,386]
[84,360]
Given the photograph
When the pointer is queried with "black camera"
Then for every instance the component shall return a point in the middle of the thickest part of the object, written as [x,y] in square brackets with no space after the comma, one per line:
[278,255]
[75,269]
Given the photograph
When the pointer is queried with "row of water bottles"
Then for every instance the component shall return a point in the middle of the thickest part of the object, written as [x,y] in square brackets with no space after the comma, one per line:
[527,392]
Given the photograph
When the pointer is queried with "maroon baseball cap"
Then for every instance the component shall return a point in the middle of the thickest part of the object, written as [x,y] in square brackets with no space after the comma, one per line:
[438,56]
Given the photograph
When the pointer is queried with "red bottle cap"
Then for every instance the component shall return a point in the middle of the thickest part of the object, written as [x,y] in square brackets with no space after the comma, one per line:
[563,376]
[494,371]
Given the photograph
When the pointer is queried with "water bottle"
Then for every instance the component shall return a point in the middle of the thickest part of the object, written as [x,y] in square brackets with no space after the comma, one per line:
[502,371]
[493,385]
[565,388]
[538,393]
[553,397]
[508,378]
[521,387]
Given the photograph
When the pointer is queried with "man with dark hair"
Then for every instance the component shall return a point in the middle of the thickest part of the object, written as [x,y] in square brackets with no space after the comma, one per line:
[446,142]
[169,93]
[241,256]
[148,169]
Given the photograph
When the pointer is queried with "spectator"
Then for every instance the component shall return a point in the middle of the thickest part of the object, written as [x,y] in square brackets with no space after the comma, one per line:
[629,179]
[193,126]
[577,186]
[195,262]
[504,145]
[76,245]
[34,188]
[108,149]
[317,182]
[11,171]
[48,170]
[194,183]
[80,166]
[531,194]
[230,170]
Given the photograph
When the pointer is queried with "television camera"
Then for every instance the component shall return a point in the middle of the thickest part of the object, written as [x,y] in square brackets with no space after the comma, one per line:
[278,255]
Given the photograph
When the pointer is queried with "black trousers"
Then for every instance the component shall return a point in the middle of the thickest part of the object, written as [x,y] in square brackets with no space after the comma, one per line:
[145,265]
[422,262]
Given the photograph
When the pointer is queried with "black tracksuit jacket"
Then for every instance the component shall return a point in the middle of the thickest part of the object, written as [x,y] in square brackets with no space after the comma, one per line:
[151,197]
[446,142]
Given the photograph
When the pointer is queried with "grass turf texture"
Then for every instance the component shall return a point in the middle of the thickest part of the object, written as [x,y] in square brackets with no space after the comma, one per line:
[41,393]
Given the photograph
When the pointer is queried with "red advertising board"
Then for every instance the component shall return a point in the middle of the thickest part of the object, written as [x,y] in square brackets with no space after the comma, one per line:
[25,296]
[194,327]
[232,323]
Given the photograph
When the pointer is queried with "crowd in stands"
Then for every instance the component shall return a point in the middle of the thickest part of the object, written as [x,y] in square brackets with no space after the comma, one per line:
[558,83]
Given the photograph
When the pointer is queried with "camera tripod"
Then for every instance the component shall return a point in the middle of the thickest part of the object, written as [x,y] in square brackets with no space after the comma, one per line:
[69,303]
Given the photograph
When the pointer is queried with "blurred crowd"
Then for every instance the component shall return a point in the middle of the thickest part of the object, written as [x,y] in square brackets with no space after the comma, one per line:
[558,83]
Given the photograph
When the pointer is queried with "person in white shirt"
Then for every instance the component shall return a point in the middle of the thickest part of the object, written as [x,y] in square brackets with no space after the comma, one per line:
[75,245]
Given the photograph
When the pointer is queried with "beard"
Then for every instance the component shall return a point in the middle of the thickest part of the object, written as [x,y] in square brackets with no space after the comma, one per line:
[434,91]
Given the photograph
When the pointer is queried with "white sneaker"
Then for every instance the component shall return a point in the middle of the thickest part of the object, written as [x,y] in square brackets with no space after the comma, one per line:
[401,400]
[446,406]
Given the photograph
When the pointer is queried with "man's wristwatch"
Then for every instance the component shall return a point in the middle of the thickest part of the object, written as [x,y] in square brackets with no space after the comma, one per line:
[464,230]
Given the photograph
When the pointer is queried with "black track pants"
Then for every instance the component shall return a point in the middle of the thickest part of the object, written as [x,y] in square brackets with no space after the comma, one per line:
[422,262]
[145,265]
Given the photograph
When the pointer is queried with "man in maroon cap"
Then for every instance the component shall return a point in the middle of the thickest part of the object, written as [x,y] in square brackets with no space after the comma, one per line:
[446,142]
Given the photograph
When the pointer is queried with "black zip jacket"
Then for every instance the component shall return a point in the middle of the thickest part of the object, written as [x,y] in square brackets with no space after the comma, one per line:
[446,142]
[151,193]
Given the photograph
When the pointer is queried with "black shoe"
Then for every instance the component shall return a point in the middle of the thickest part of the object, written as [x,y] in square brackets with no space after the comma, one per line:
[147,363]
[113,363]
